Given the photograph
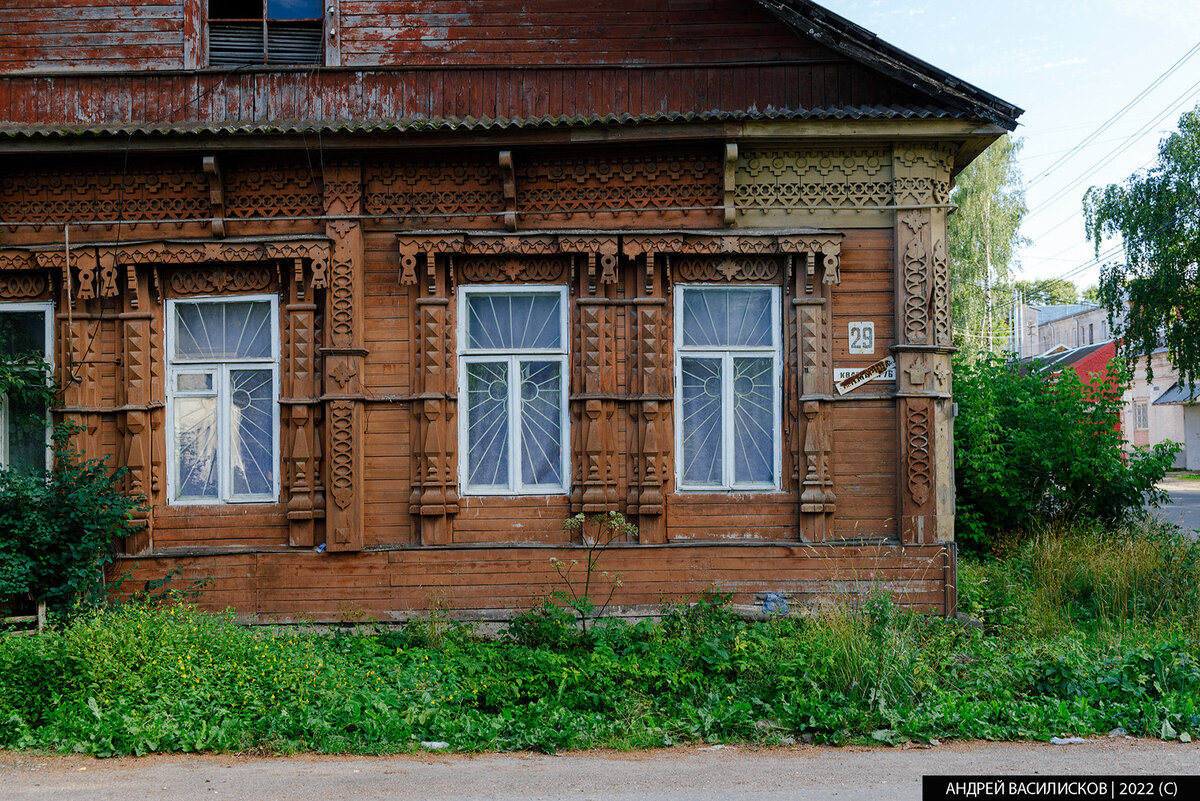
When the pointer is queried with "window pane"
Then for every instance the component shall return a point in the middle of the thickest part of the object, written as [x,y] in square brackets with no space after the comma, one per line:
[252,431]
[721,318]
[23,332]
[26,435]
[487,425]
[235,9]
[293,9]
[701,415]
[194,382]
[196,448]
[236,330]
[507,322]
[753,421]
[541,423]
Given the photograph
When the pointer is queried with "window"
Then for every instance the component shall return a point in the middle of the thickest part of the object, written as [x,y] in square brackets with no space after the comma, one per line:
[222,409]
[727,387]
[513,366]
[1091,333]
[24,435]
[1141,415]
[250,32]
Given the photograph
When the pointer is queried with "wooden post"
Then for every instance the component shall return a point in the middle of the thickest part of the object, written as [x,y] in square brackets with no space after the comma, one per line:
[305,495]
[139,357]
[344,358]
[924,344]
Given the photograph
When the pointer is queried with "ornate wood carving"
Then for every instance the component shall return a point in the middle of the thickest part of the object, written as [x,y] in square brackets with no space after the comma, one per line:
[274,190]
[161,192]
[138,358]
[522,269]
[729,268]
[22,285]
[305,493]
[652,469]
[216,195]
[834,187]
[922,179]
[510,189]
[344,357]
[915,277]
[425,192]
[731,161]
[556,188]
[215,279]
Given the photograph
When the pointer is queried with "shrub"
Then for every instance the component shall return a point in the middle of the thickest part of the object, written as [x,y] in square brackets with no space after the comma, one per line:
[1033,448]
[57,527]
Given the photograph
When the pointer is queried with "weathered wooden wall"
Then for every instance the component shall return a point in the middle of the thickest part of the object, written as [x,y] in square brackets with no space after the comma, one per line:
[486,583]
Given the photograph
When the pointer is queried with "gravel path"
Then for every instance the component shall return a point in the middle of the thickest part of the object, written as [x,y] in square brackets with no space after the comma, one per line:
[728,774]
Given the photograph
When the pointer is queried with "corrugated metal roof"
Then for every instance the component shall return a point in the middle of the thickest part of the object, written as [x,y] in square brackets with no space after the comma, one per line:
[1065,357]
[1179,393]
[424,123]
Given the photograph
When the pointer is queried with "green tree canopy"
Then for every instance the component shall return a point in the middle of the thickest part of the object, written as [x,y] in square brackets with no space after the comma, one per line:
[1047,291]
[984,239]
[1156,215]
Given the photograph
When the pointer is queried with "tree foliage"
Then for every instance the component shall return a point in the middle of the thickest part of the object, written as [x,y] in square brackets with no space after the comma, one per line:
[984,240]
[1033,448]
[1156,215]
[57,526]
[1047,291]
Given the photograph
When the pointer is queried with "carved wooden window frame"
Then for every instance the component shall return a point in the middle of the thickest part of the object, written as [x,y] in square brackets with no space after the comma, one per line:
[225,494]
[46,307]
[467,355]
[729,484]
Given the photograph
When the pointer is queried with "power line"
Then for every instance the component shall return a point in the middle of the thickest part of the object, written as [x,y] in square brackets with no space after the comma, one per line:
[1171,108]
[1113,119]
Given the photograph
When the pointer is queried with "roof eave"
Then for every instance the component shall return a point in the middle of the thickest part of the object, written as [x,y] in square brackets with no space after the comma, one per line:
[854,41]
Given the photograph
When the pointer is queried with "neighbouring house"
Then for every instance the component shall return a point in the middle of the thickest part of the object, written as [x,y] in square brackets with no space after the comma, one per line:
[370,297]
[1072,325]
[1079,335]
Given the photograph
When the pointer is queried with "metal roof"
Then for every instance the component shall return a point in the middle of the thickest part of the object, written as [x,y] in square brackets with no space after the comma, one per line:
[1178,394]
[424,123]
[1050,314]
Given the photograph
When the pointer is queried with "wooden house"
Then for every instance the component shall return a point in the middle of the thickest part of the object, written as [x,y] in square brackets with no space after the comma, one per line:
[369,297]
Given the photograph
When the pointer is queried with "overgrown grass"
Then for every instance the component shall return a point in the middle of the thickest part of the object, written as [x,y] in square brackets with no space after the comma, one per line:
[1082,633]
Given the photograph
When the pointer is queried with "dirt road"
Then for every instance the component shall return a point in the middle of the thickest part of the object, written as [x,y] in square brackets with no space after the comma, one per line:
[729,774]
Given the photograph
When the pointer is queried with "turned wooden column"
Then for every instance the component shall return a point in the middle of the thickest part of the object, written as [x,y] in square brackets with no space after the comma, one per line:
[139,362]
[814,272]
[304,490]
[924,344]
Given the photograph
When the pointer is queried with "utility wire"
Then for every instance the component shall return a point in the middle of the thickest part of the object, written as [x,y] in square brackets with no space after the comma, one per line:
[1115,117]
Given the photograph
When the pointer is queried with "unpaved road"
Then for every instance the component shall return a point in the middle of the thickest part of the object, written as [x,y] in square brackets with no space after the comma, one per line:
[728,774]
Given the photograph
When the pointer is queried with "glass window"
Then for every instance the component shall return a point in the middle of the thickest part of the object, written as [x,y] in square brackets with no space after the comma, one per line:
[512,368]
[255,32]
[727,387]
[222,401]
[24,430]
[1141,416]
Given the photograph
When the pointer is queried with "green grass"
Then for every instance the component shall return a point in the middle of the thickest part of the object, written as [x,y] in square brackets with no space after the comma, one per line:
[1082,633]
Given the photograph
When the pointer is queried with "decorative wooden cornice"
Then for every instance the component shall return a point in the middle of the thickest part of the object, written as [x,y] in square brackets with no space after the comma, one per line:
[414,247]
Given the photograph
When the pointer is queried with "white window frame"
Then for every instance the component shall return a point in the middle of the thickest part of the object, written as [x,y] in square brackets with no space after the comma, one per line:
[46,307]
[1141,415]
[513,357]
[220,370]
[726,355]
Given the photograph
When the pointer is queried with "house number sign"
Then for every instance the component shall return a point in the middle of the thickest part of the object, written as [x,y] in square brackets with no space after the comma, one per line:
[862,337]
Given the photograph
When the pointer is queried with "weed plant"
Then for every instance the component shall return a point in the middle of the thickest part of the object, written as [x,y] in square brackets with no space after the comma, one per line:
[1081,633]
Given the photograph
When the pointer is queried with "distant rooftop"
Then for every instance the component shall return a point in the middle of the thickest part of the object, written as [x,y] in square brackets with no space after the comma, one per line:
[1049,314]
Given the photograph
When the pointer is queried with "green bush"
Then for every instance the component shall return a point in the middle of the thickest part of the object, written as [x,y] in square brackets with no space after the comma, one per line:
[57,527]
[1033,447]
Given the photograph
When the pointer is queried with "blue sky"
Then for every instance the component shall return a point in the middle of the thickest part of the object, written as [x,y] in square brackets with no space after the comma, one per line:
[1071,66]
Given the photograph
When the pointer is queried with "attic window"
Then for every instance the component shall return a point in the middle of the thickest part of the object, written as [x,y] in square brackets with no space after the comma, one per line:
[253,32]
